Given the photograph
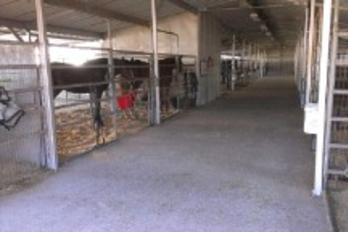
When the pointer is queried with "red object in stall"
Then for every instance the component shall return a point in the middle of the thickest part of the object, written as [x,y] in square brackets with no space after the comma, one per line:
[126,101]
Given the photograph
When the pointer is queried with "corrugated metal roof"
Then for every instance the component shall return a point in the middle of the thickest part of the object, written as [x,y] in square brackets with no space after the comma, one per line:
[23,11]
[285,21]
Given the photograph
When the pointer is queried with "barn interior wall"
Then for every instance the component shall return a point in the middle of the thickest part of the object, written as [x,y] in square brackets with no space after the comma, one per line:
[210,47]
[199,35]
[138,38]
[281,62]
[19,147]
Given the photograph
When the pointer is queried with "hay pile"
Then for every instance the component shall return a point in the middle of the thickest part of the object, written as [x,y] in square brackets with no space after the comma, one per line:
[80,137]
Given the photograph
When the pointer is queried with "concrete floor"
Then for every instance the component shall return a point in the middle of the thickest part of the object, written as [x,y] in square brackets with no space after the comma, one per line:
[239,164]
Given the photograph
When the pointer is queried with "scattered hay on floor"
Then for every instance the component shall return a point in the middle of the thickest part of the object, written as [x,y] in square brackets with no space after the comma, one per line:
[15,175]
[339,206]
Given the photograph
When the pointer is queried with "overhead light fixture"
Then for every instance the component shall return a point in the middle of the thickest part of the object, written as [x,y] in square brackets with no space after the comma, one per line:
[263,27]
[295,2]
[255,17]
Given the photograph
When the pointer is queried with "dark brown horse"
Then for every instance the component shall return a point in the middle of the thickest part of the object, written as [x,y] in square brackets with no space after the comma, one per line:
[88,79]
[82,80]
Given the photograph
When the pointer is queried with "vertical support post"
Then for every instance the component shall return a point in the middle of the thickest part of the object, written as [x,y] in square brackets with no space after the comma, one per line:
[323,81]
[250,65]
[155,62]
[297,62]
[256,60]
[233,64]
[263,60]
[259,61]
[111,70]
[151,94]
[310,51]
[305,44]
[331,87]
[243,61]
[51,158]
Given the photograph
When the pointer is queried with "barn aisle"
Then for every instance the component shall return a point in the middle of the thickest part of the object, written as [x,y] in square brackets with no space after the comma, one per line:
[240,164]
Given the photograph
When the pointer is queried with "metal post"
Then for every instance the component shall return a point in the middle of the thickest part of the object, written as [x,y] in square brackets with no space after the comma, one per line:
[310,51]
[51,158]
[233,63]
[331,87]
[155,62]
[259,62]
[151,94]
[305,47]
[243,60]
[323,81]
[256,57]
[111,69]
[263,60]
[250,66]
[297,56]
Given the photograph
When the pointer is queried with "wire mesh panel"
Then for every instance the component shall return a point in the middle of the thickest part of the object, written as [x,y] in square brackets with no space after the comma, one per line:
[132,80]
[20,147]
[178,84]
[82,100]
[338,159]
[314,82]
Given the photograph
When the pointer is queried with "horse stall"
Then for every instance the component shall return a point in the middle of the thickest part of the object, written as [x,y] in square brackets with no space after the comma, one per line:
[77,91]
[92,109]
[82,100]
[240,67]
[21,144]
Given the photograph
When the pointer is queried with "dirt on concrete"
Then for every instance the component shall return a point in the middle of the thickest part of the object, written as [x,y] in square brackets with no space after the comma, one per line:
[338,199]
[17,176]
[241,163]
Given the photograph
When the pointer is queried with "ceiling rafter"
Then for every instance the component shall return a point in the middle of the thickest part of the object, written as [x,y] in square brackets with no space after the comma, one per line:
[253,4]
[30,25]
[93,9]
[185,6]
[16,34]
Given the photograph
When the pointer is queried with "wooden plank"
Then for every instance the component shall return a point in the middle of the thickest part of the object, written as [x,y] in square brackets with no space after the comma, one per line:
[51,159]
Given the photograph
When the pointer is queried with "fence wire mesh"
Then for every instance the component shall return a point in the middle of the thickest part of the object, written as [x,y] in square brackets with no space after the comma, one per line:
[20,148]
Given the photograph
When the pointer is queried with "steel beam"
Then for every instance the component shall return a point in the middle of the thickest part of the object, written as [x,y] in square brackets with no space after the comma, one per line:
[185,6]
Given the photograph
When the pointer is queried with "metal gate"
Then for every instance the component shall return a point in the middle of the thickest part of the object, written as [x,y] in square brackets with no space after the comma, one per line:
[131,72]
[21,148]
